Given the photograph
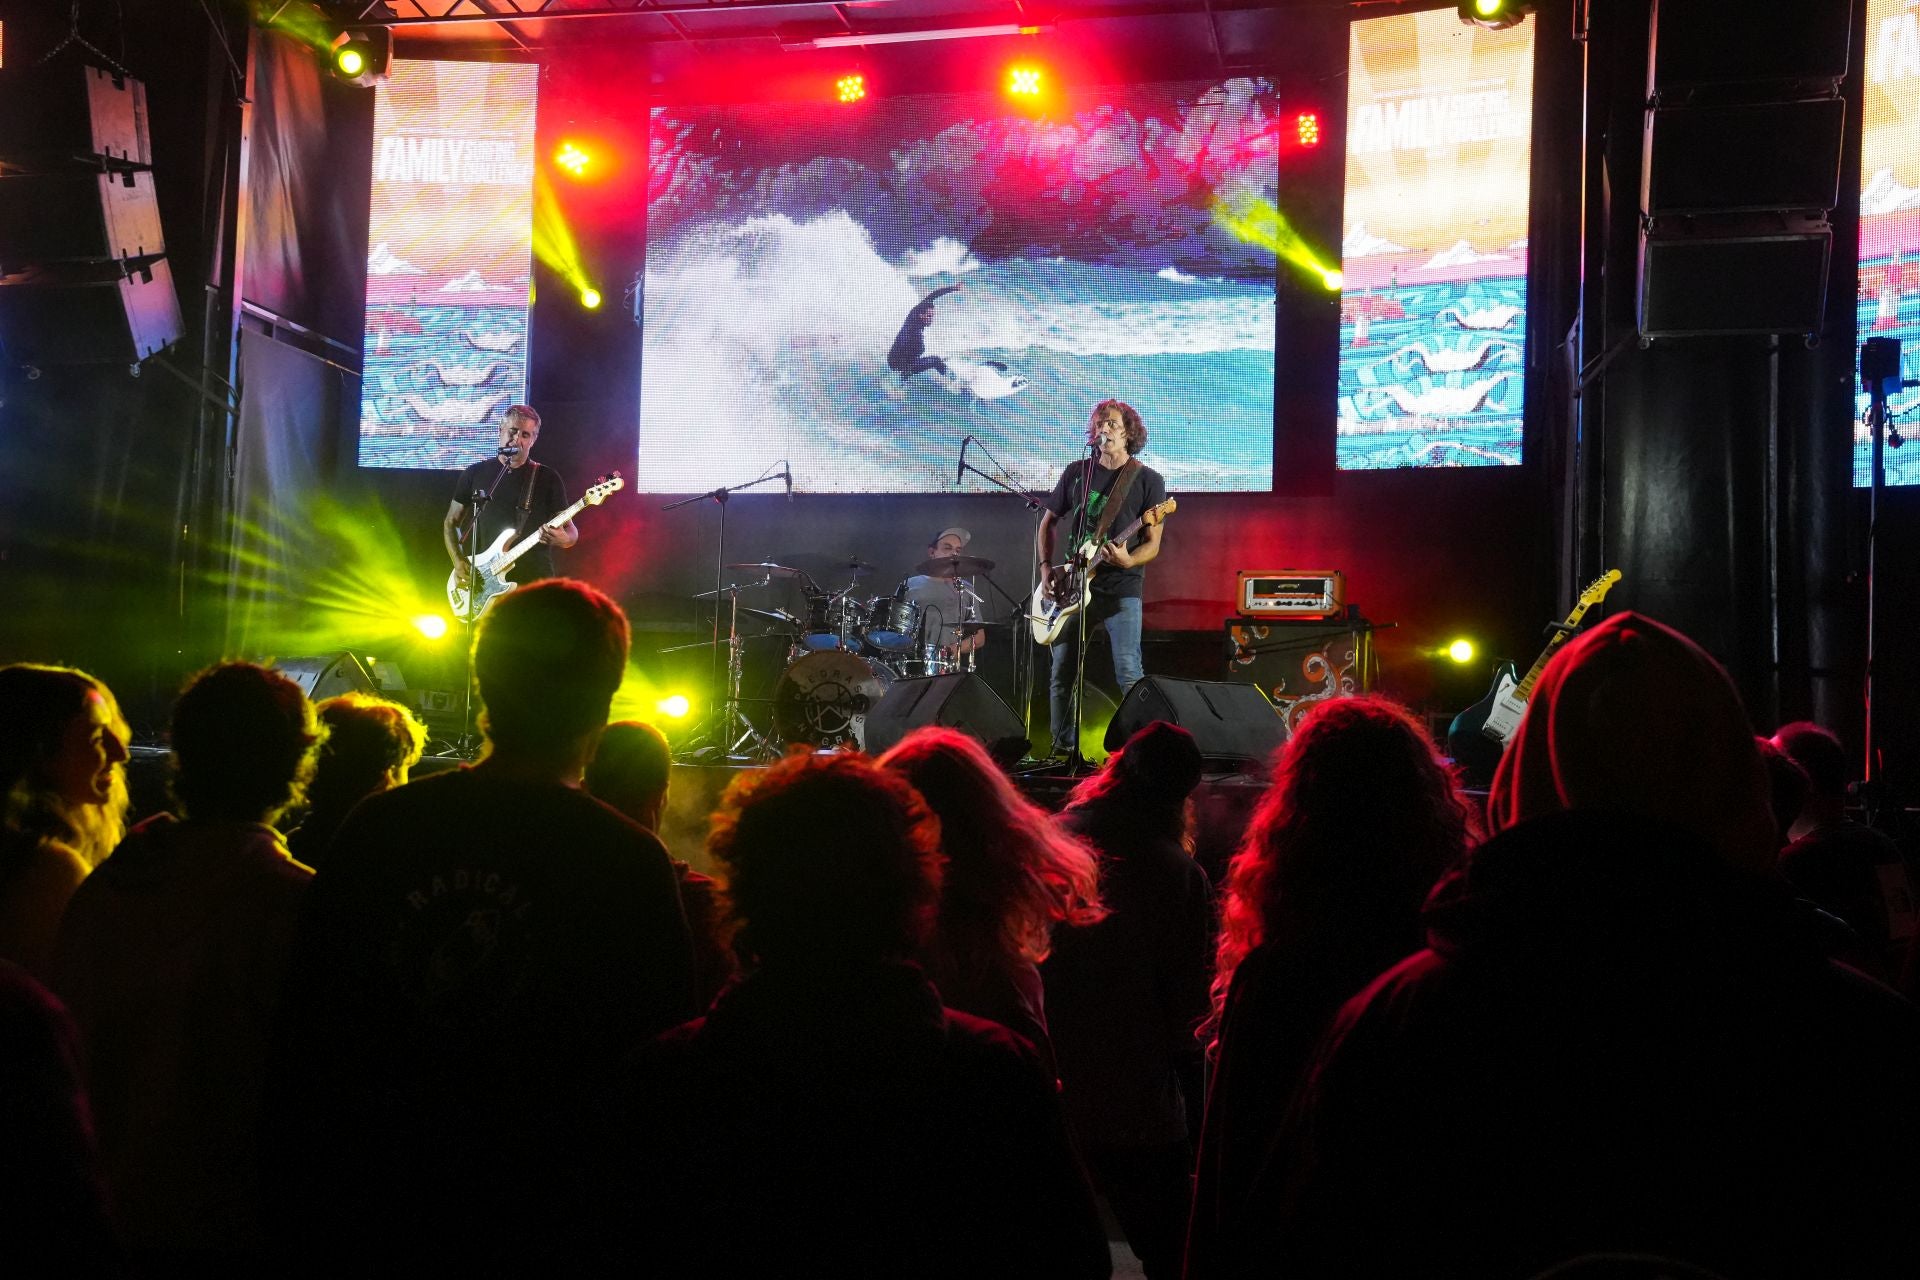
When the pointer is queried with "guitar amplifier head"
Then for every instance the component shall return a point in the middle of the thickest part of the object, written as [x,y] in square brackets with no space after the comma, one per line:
[1291,593]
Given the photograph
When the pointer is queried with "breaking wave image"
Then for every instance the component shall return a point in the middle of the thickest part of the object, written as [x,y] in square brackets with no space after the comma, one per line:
[857,305]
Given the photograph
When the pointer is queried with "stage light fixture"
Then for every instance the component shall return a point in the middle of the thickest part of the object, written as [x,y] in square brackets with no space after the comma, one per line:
[1023,82]
[851,88]
[1461,651]
[590,298]
[674,706]
[572,157]
[1494,15]
[362,56]
[430,625]
[1334,278]
[1306,128]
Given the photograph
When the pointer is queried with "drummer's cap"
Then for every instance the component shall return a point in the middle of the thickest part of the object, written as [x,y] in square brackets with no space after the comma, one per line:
[956,531]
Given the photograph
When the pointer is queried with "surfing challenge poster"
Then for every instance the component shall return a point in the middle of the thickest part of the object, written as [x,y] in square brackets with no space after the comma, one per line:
[856,291]
[449,263]
[1434,305]
[1888,304]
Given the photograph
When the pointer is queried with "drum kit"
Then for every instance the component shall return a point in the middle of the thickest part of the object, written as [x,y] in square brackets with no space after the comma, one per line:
[840,657]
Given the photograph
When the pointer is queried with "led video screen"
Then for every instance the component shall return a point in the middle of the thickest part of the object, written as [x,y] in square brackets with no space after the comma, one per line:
[857,289]
[450,260]
[1433,310]
[1889,290]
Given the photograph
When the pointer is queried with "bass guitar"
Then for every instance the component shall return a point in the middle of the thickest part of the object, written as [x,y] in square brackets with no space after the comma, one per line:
[1479,734]
[490,566]
[1050,613]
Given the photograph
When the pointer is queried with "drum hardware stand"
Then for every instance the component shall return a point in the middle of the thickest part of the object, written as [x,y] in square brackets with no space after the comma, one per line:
[721,713]
[1024,664]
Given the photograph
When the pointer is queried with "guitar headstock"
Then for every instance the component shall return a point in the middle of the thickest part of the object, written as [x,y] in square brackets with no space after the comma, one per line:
[603,488]
[1597,590]
[1155,514]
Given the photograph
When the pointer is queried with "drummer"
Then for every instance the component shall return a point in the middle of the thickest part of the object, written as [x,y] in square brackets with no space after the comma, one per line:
[945,601]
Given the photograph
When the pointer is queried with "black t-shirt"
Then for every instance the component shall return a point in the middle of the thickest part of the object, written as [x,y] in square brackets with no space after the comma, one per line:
[522,500]
[482,954]
[1149,489]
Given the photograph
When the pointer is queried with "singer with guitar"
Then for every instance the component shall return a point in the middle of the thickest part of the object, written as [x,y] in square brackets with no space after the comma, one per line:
[521,495]
[1097,496]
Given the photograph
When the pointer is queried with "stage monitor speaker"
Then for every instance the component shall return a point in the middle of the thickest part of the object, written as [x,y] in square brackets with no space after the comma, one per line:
[51,118]
[1708,43]
[1697,279]
[1229,721]
[1753,157]
[964,702]
[78,217]
[325,677]
[111,315]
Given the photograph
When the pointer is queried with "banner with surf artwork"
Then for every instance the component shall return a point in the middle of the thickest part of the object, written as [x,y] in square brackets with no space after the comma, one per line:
[857,291]
[1889,288]
[1433,310]
[450,263]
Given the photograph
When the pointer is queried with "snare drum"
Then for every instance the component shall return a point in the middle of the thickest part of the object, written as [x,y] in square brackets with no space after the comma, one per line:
[822,700]
[834,622]
[925,660]
[893,623]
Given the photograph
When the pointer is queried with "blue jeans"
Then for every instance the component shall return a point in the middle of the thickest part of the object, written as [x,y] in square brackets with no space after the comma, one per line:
[1121,618]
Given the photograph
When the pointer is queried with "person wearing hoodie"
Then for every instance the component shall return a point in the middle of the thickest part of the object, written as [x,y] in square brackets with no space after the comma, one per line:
[170,958]
[1623,1034]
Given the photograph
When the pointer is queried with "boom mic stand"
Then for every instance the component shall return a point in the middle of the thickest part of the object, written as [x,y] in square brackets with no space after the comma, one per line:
[467,748]
[1880,377]
[1024,667]
[713,731]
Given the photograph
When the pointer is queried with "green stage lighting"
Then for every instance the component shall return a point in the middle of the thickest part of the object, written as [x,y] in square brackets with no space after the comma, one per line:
[1495,15]
[430,625]
[674,706]
[1461,651]
[362,55]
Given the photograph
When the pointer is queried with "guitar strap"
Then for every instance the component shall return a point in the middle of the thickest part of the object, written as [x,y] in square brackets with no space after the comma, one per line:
[526,499]
[1115,496]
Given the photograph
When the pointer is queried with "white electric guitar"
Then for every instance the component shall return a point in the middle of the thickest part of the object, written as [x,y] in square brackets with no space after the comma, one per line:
[1052,611]
[491,565]
[1509,698]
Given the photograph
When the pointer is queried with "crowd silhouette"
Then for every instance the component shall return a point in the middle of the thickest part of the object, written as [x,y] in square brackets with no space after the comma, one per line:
[1638,1010]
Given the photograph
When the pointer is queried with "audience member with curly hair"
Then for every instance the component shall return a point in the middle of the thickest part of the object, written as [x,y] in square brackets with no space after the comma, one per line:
[828,1105]
[63,799]
[1011,876]
[372,743]
[1324,896]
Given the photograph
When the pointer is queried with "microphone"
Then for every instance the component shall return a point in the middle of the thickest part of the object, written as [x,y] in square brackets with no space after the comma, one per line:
[960,472]
[508,451]
[787,475]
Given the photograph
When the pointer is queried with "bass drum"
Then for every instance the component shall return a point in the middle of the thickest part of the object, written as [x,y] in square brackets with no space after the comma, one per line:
[822,699]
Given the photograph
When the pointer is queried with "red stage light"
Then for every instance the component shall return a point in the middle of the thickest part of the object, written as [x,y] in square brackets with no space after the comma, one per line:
[572,157]
[1307,128]
[1023,82]
[851,88]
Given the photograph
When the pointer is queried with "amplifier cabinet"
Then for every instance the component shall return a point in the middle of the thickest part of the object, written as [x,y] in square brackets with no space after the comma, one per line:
[1300,663]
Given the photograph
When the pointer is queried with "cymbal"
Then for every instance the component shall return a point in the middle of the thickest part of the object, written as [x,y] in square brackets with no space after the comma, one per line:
[953,566]
[735,589]
[780,616]
[770,569]
[970,628]
[857,567]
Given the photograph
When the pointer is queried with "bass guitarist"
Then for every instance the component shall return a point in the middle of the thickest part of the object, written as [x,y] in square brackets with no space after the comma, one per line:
[521,494]
[1106,490]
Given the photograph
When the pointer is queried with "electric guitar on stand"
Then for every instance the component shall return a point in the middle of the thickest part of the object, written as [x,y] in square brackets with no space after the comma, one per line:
[1496,717]
[490,566]
[1050,613]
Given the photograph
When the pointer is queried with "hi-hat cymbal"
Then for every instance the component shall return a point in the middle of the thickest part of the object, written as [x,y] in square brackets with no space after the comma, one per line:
[770,569]
[970,628]
[857,567]
[953,566]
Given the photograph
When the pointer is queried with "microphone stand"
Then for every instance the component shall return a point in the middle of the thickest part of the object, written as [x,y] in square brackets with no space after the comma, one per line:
[479,499]
[1024,665]
[713,724]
